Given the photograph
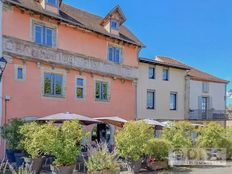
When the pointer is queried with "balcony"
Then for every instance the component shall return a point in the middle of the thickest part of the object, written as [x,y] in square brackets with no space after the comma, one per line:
[208,114]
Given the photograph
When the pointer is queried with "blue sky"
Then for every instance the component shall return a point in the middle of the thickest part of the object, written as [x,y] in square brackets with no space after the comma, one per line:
[197,32]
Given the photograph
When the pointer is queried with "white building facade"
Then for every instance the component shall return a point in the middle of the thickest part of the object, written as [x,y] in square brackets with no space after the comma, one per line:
[170,90]
[205,94]
[161,91]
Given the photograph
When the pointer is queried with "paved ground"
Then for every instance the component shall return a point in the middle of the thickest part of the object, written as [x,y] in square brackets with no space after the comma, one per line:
[191,170]
[194,170]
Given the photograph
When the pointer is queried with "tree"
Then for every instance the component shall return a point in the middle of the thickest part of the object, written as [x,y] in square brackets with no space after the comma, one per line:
[132,140]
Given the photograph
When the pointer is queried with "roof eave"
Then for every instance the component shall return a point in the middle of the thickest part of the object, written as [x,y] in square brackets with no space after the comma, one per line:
[161,64]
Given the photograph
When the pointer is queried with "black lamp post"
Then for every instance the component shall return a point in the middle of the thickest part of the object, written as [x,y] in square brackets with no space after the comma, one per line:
[3,63]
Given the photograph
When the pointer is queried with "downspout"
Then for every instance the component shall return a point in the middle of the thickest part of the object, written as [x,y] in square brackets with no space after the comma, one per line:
[1,54]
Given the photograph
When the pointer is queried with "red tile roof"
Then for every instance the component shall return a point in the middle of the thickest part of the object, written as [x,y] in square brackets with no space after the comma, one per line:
[80,19]
[195,74]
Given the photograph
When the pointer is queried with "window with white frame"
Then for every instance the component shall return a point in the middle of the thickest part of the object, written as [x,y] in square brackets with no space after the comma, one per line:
[150,99]
[165,74]
[173,101]
[114,24]
[44,35]
[114,54]
[80,88]
[151,72]
[101,90]
[53,84]
[52,2]
[205,87]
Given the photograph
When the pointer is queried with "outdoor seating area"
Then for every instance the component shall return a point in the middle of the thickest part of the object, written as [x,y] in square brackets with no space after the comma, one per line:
[66,143]
[89,143]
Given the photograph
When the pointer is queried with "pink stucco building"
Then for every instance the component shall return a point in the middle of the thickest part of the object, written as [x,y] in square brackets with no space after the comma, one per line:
[63,59]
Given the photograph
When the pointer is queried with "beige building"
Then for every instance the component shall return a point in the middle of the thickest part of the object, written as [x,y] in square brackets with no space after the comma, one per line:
[171,90]
[161,91]
[205,93]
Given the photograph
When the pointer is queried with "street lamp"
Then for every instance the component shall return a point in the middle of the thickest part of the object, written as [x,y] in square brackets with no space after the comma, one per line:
[3,63]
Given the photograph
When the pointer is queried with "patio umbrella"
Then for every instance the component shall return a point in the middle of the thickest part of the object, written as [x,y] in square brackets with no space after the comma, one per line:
[153,122]
[116,121]
[61,117]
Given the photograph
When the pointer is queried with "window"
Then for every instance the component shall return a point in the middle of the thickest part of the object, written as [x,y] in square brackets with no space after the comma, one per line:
[52,2]
[115,54]
[205,87]
[80,88]
[151,73]
[53,84]
[173,101]
[165,74]
[19,73]
[44,35]
[150,99]
[114,24]
[101,90]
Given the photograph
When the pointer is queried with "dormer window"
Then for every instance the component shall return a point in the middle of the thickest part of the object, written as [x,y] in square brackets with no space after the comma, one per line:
[52,2]
[113,20]
[114,24]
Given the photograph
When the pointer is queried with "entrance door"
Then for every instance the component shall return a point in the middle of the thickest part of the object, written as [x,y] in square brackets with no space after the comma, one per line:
[101,133]
[204,107]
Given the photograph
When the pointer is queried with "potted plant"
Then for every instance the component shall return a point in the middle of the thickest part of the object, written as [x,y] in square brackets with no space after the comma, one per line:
[101,161]
[10,132]
[64,145]
[131,142]
[36,141]
[158,150]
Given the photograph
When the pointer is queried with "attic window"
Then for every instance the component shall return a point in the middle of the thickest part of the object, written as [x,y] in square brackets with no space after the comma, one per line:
[114,24]
[52,2]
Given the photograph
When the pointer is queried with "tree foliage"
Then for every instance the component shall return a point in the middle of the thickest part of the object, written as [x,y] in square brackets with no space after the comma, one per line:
[132,140]
[179,134]
[10,132]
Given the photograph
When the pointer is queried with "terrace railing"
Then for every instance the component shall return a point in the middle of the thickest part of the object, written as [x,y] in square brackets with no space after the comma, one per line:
[208,114]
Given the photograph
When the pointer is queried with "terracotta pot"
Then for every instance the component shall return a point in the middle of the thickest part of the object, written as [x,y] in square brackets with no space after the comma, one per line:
[158,165]
[37,164]
[134,166]
[62,169]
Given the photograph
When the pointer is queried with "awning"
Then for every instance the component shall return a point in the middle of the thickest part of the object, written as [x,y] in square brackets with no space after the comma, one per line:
[61,117]
[116,121]
[153,122]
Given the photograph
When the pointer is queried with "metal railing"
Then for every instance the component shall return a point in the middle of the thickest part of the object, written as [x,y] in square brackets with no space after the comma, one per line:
[212,114]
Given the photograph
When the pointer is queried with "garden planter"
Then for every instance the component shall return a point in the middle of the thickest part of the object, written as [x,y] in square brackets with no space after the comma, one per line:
[105,172]
[62,169]
[37,164]
[134,166]
[158,165]
[10,155]
[19,158]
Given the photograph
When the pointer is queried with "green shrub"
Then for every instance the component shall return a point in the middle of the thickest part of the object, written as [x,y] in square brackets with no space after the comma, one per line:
[131,141]
[64,142]
[100,159]
[158,148]
[36,138]
[211,136]
[10,132]
[179,134]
